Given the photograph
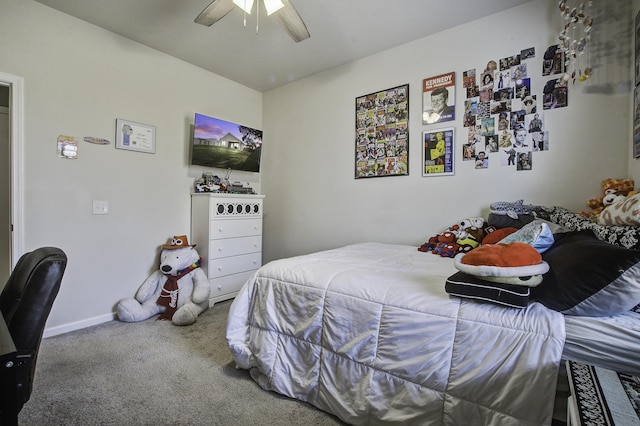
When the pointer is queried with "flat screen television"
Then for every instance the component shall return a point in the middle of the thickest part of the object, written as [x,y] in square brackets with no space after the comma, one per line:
[225,145]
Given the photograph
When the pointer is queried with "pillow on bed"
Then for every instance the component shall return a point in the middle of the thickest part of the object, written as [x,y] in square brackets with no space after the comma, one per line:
[589,277]
[471,287]
[625,236]
[624,212]
[537,234]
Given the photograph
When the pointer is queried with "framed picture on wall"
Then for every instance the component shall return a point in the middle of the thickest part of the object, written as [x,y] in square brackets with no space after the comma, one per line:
[637,48]
[636,122]
[382,133]
[135,136]
[438,98]
[437,152]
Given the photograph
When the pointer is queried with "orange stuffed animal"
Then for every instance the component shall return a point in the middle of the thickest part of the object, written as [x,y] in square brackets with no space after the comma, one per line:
[609,186]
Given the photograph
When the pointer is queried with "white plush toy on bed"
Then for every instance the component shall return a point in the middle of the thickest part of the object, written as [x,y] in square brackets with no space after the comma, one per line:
[179,290]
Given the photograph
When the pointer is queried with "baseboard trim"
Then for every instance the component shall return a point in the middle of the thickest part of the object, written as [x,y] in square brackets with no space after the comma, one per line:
[65,328]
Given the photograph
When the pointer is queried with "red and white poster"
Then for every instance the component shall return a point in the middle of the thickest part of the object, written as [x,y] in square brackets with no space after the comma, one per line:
[438,98]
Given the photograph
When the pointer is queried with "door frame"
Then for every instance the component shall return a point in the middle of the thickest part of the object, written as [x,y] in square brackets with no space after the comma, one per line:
[16,138]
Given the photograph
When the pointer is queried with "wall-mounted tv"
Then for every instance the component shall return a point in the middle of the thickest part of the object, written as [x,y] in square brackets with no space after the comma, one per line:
[225,145]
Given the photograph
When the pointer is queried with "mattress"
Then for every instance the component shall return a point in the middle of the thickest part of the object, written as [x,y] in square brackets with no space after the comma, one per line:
[609,342]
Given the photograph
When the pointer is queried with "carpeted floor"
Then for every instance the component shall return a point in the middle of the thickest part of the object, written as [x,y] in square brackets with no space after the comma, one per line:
[154,373]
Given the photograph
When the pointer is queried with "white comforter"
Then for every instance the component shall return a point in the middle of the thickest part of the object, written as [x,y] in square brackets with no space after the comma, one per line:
[367,332]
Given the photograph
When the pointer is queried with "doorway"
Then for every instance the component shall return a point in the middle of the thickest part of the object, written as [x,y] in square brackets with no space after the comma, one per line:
[11,150]
[5,187]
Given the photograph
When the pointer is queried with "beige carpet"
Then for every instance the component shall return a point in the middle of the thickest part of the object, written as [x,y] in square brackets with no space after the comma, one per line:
[154,373]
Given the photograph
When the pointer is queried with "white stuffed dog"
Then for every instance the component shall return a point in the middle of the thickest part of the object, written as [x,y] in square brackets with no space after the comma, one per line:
[179,290]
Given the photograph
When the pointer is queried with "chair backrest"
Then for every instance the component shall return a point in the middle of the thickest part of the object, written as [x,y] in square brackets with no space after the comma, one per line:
[27,298]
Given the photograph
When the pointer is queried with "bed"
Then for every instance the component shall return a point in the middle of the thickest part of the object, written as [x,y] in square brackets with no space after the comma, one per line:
[368,333]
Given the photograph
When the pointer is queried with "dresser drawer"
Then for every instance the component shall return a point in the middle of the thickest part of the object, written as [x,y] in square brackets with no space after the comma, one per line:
[227,287]
[235,207]
[234,228]
[233,265]
[234,246]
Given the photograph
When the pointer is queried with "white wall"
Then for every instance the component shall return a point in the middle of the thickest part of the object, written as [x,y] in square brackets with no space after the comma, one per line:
[313,201]
[78,79]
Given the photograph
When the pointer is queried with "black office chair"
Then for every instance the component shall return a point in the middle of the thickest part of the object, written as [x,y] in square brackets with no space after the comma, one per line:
[25,304]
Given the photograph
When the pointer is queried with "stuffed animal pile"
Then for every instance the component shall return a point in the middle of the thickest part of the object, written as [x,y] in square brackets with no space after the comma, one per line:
[612,191]
[179,290]
[461,237]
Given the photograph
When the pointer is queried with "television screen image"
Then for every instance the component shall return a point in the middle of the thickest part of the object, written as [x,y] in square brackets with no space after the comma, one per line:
[225,145]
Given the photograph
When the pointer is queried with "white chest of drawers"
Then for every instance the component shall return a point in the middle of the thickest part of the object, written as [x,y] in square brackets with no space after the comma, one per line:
[228,231]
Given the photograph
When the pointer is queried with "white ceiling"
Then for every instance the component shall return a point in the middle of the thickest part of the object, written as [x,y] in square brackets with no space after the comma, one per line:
[341,32]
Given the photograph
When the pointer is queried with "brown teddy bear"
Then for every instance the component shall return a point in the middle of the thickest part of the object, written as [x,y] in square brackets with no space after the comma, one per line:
[609,187]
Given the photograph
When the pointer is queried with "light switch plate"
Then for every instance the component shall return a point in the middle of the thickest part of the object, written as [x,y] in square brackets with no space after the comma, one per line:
[100,207]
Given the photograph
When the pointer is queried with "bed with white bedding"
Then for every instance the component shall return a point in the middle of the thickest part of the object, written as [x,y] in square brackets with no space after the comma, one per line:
[611,342]
[367,332]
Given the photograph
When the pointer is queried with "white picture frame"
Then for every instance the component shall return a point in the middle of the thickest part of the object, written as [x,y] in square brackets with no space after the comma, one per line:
[438,152]
[134,136]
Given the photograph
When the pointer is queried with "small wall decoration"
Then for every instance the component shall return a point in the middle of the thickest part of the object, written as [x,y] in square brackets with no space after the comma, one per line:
[574,39]
[67,147]
[438,152]
[96,141]
[382,133]
[135,136]
[438,97]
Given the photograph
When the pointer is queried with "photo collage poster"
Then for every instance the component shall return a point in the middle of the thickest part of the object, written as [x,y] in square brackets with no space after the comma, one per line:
[501,112]
[382,133]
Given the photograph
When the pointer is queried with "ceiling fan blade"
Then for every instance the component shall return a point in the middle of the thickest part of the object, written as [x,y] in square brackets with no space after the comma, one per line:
[292,22]
[214,12]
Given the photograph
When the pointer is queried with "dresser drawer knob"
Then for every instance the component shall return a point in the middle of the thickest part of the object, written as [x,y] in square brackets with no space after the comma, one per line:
[219,268]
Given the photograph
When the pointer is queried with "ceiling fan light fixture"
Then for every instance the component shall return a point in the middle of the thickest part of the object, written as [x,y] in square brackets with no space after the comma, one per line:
[273,6]
[245,5]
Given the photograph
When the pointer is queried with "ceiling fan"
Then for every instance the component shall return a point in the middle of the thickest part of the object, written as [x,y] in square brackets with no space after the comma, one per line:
[283,10]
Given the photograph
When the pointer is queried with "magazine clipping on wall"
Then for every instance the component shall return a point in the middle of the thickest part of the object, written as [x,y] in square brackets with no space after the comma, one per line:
[438,152]
[382,133]
[438,98]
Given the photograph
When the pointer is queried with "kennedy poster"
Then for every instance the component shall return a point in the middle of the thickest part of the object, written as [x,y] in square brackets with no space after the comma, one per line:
[438,98]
